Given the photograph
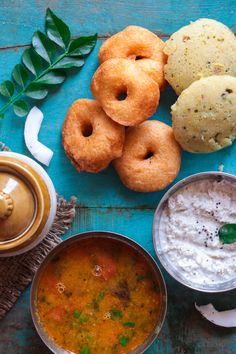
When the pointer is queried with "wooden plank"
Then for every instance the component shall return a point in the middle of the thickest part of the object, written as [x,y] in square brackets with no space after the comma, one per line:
[184,332]
[20,18]
[106,204]
[105,188]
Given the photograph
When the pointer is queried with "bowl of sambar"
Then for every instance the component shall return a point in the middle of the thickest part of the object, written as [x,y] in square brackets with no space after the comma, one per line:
[98,293]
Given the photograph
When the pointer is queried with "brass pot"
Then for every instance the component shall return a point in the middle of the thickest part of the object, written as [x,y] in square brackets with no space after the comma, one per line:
[27,203]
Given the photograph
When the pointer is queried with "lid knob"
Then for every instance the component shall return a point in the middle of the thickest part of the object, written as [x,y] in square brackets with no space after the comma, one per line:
[6,206]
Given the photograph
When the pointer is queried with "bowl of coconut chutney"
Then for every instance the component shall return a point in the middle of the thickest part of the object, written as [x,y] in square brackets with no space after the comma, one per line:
[185,231]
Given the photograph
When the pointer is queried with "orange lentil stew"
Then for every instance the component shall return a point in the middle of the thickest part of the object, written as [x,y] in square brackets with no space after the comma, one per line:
[98,297]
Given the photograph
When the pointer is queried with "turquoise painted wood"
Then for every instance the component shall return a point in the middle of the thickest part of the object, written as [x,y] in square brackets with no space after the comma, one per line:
[103,203]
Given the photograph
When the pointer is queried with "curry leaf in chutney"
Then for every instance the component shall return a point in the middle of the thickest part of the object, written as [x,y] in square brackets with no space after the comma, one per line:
[227,233]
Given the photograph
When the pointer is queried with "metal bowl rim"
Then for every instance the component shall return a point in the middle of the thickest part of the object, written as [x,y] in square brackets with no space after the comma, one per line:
[52,345]
[177,186]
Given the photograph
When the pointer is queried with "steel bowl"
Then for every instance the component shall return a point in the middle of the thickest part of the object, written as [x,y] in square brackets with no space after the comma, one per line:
[164,259]
[96,235]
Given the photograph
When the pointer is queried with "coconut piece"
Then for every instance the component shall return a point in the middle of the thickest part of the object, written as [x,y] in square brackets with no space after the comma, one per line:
[219,318]
[32,127]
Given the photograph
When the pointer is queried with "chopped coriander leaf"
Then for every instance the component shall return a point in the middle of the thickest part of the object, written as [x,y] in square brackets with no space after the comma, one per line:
[123,340]
[85,350]
[76,314]
[115,314]
[83,318]
[129,324]
[100,296]
[95,302]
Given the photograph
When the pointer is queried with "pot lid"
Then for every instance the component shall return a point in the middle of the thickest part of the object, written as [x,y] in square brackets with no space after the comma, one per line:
[17,205]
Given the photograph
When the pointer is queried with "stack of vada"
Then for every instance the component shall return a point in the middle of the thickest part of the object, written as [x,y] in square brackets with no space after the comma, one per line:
[114,127]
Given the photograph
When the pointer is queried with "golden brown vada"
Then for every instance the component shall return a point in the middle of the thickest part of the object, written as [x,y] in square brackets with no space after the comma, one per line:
[126,93]
[151,157]
[140,45]
[90,138]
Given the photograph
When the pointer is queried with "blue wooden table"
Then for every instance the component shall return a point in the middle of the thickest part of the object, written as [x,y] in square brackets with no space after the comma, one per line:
[103,202]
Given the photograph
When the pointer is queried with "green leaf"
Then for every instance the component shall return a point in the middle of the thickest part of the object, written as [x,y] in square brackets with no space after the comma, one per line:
[85,349]
[57,30]
[76,314]
[115,314]
[67,63]
[100,296]
[36,91]
[1,115]
[227,233]
[52,78]
[129,324]
[83,318]
[82,46]
[44,46]
[123,340]
[20,75]
[7,88]
[21,108]
[32,61]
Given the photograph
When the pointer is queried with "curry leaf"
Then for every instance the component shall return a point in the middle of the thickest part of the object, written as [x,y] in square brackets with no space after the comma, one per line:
[32,61]
[57,30]
[227,233]
[45,60]
[44,46]
[68,63]
[52,78]
[82,46]
[21,108]
[36,91]
[7,88]
[20,75]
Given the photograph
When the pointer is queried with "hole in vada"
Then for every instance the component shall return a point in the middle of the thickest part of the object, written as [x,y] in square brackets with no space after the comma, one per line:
[139,57]
[87,129]
[148,155]
[122,96]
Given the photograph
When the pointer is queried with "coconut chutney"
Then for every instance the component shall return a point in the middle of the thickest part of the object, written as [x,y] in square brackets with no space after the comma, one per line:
[189,231]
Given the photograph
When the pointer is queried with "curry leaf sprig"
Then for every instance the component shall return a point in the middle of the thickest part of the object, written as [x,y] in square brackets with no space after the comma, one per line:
[45,64]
